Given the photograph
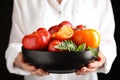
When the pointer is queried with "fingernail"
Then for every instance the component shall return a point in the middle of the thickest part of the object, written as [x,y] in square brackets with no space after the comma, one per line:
[99,58]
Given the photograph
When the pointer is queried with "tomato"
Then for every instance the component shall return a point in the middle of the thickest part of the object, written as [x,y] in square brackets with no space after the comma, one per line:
[53,29]
[52,44]
[89,36]
[65,31]
[46,34]
[41,29]
[38,40]
[80,27]
[65,23]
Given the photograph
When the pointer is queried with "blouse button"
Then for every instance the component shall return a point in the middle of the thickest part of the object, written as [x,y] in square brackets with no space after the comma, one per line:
[59,12]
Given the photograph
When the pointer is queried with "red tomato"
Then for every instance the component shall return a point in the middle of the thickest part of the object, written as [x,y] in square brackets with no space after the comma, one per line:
[43,31]
[38,40]
[80,27]
[53,29]
[52,44]
[46,34]
[65,23]
[89,36]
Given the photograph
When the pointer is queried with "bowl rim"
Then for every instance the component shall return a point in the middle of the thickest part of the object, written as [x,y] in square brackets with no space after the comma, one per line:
[57,51]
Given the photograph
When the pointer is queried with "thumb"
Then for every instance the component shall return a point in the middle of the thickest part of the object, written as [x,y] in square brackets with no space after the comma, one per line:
[21,63]
[99,62]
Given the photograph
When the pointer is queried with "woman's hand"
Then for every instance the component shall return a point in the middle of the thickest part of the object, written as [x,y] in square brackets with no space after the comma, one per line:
[92,66]
[20,62]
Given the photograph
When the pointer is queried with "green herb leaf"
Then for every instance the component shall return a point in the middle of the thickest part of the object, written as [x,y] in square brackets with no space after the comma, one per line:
[81,47]
[93,51]
[67,45]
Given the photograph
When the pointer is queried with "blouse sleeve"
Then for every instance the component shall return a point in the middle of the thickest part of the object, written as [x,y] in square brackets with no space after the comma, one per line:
[14,46]
[106,28]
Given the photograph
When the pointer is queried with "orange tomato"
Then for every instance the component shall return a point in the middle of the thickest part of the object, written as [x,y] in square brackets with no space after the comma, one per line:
[62,31]
[65,32]
[89,36]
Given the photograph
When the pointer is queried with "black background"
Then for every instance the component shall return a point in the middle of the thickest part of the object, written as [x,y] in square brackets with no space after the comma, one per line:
[5,23]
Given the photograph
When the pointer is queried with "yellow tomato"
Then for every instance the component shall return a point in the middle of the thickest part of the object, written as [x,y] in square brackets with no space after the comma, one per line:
[89,36]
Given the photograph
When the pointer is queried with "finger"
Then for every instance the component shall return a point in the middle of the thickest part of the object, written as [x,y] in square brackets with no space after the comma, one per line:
[28,67]
[81,71]
[39,72]
[20,62]
[93,65]
[85,70]
[91,70]
[98,63]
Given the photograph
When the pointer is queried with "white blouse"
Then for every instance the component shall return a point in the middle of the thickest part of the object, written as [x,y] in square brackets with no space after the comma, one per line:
[28,15]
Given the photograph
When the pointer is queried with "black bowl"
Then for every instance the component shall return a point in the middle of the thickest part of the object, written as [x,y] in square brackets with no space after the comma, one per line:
[58,62]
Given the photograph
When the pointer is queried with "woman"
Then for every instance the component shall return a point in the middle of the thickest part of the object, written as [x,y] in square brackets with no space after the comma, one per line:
[28,15]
